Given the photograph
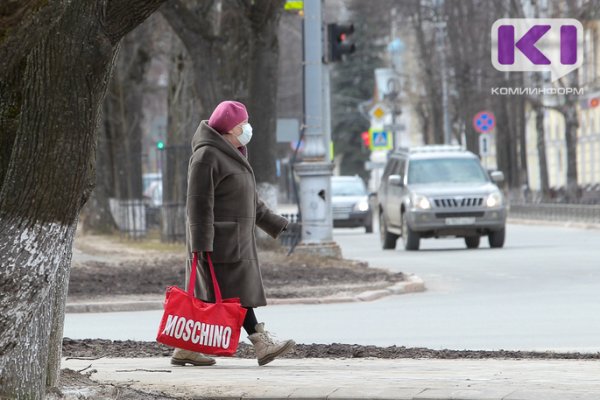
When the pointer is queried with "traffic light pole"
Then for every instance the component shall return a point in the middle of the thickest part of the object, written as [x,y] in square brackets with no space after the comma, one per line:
[315,169]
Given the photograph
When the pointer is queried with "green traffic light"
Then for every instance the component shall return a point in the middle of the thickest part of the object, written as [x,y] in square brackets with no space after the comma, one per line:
[160,145]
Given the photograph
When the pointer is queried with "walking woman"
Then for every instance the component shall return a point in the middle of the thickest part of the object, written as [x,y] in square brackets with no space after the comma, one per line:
[223,210]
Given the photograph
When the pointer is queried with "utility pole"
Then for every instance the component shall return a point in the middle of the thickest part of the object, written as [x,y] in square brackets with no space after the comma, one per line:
[315,169]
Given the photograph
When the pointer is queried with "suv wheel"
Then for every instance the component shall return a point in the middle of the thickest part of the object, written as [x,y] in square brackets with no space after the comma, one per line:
[388,239]
[410,238]
[496,238]
[472,242]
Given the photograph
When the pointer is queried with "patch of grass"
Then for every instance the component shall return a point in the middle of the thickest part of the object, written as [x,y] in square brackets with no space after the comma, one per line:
[154,244]
[150,242]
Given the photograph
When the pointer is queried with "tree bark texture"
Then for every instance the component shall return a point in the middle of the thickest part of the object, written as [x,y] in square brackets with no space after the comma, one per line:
[49,109]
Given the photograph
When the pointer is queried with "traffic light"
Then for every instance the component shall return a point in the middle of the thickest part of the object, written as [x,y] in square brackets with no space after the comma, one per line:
[366,138]
[160,145]
[338,41]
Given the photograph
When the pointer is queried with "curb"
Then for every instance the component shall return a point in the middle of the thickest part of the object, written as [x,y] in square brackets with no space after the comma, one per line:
[413,284]
[562,224]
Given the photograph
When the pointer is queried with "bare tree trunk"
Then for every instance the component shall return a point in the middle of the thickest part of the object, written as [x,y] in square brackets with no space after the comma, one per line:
[119,149]
[183,119]
[571,125]
[431,79]
[49,175]
[124,105]
[521,129]
[569,111]
[503,139]
[96,215]
[541,148]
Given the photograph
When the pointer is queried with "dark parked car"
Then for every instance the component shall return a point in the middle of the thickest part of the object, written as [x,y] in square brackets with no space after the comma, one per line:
[439,191]
[350,203]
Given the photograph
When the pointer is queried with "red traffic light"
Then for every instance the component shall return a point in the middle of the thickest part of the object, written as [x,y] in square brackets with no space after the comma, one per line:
[338,45]
[594,102]
[366,138]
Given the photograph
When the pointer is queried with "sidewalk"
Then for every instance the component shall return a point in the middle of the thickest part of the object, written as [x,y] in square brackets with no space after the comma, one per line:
[422,379]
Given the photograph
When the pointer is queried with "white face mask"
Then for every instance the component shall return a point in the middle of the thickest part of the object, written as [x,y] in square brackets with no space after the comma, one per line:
[246,135]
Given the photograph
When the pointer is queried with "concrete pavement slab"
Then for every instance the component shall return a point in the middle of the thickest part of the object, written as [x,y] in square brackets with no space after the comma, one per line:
[390,392]
[464,394]
[356,378]
[553,395]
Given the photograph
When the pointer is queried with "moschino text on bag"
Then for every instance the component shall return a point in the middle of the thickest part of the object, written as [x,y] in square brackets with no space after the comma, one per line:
[197,332]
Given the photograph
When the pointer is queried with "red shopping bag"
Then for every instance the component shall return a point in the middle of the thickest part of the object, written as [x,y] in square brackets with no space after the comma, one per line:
[192,324]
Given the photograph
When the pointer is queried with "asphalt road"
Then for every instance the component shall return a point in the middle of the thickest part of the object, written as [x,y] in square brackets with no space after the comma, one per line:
[540,292]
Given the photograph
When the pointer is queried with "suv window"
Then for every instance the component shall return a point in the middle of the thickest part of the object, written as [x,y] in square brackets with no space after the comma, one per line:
[446,170]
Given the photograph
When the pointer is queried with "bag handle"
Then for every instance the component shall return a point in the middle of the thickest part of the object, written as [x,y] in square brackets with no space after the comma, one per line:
[192,283]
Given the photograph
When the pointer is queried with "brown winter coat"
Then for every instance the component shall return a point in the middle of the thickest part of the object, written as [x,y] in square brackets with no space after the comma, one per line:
[223,210]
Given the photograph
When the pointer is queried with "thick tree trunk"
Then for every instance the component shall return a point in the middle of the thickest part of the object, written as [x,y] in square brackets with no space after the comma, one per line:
[55,100]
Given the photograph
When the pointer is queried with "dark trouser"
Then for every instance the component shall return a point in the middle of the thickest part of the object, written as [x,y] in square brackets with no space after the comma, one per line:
[250,321]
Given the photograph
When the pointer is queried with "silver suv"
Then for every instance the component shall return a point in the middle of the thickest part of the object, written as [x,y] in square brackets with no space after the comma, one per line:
[436,191]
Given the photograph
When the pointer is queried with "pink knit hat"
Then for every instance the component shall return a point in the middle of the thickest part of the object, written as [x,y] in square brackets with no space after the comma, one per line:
[227,115]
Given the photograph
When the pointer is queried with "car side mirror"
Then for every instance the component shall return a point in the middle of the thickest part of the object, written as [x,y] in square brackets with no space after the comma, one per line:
[395,180]
[497,176]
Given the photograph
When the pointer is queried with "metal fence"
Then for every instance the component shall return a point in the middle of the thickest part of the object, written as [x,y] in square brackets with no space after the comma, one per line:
[175,214]
[588,213]
[130,217]
[291,237]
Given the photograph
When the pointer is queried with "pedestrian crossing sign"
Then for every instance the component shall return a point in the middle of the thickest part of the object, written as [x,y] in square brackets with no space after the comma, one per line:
[380,139]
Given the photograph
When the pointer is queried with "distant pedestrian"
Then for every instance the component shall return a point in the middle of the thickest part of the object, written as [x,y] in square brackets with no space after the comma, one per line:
[223,210]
